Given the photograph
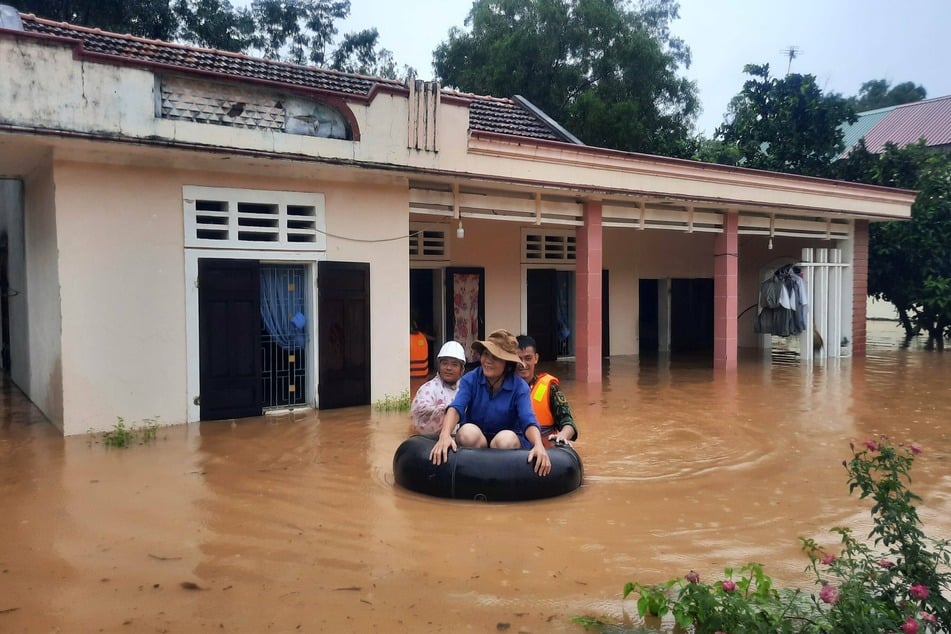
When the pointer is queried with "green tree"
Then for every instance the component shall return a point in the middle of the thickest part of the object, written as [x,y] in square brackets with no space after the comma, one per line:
[785,125]
[604,70]
[878,93]
[215,24]
[716,151]
[359,52]
[145,18]
[300,31]
[910,262]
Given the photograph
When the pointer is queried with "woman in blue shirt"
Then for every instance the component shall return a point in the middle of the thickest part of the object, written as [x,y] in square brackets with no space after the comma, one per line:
[494,407]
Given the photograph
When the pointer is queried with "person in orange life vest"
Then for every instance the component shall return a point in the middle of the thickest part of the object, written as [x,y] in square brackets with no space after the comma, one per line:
[548,401]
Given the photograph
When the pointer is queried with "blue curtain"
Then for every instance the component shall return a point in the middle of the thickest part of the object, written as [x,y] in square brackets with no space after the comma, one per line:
[562,314]
[282,305]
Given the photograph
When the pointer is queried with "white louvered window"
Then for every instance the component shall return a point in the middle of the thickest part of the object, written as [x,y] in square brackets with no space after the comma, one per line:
[428,242]
[251,218]
[548,246]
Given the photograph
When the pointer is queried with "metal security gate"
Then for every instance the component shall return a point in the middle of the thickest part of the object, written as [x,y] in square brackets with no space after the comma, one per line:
[824,272]
[284,335]
[827,316]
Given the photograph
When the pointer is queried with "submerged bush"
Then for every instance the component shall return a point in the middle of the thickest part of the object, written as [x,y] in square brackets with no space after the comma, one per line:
[122,436]
[897,580]
[399,403]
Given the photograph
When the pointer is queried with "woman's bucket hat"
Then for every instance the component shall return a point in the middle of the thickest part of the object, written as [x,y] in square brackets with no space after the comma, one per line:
[501,344]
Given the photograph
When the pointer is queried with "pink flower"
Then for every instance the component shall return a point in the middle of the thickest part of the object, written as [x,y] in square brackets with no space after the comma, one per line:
[910,626]
[692,577]
[918,591]
[829,594]
[827,559]
[915,449]
[884,563]
[727,585]
[928,617]
[872,445]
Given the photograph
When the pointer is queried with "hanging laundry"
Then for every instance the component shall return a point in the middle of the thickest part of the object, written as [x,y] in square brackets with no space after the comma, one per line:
[782,303]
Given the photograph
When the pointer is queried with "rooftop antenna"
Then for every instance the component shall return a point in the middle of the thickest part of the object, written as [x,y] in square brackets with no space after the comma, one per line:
[792,52]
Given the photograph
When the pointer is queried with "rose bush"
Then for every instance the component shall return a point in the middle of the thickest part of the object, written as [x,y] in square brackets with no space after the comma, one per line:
[896,580]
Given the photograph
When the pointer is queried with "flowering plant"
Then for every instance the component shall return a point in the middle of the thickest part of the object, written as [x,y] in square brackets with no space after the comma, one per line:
[903,586]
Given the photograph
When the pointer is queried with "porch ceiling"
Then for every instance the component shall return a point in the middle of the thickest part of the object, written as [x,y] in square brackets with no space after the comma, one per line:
[551,206]
[623,178]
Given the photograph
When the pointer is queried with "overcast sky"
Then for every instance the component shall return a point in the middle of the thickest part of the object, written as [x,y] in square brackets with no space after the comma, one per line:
[842,42]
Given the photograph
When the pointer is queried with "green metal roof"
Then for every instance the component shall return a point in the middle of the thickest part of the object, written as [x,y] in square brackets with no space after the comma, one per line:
[866,121]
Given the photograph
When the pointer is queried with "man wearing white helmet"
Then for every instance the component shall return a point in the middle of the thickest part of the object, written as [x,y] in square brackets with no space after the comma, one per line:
[432,397]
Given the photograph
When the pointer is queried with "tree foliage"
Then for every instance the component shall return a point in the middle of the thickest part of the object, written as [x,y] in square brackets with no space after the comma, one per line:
[144,18]
[788,125]
[213,24]
[604,70]
[910,262]
[878,93]
[785,125]
[299,31]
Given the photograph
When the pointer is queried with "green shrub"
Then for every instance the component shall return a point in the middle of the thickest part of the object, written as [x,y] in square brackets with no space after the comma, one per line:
[399,403]
[122,436]
[898,582]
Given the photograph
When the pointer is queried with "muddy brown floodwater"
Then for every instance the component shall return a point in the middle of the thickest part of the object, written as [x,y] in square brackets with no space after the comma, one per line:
[292,523]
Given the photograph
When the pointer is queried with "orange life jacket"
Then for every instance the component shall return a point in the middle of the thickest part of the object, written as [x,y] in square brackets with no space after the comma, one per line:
[541,403]
[418,354]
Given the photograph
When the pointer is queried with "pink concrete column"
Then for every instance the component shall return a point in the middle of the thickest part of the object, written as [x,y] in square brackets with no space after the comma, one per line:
[589,258]
[859,288]
[725,294]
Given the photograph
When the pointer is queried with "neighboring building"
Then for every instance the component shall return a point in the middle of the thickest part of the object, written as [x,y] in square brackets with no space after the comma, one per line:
[191,234]
[929,119]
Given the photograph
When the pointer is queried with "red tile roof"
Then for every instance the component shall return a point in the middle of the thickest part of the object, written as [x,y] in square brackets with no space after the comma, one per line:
[486,114]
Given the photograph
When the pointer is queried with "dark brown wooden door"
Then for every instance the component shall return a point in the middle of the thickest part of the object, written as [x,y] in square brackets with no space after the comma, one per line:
[343,334]
[691,316]
[229,306]
[648,318]
[541,316]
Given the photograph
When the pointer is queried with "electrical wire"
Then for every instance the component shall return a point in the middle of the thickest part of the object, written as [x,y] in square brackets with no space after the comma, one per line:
[339,237]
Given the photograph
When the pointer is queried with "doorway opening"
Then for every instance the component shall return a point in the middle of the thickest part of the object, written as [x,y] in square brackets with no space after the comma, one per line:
[676,316]
[253,337]
[4,303]
[550,312]
[284,336]
[425,307]
[465,305]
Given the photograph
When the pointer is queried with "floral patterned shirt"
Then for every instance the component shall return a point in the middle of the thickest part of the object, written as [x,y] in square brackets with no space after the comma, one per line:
[429,405]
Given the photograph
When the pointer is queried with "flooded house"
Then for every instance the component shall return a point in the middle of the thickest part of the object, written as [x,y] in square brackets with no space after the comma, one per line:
[189,234]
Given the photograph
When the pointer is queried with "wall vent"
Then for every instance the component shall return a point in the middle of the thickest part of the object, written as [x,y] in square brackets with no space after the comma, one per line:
[237,218]
[550,246]
[428,242]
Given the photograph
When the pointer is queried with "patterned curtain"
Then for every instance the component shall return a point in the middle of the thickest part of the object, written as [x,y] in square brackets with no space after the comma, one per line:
[465,308]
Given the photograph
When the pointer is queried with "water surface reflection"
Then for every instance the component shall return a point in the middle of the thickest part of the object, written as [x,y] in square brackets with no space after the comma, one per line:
[292,523]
